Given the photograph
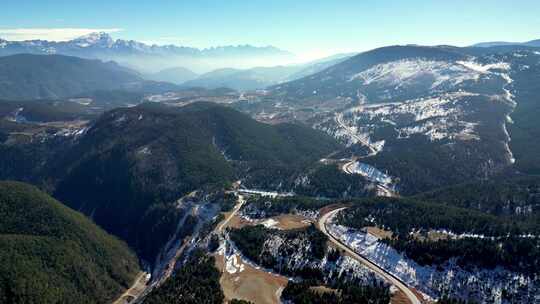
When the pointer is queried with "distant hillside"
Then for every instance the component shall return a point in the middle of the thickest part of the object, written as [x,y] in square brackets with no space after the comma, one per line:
[262,77]
[52,254]
[532,43]
[44,111]
[341,80]
[251,79]
[54,76]
[35,76]
[109,99]
[176,75]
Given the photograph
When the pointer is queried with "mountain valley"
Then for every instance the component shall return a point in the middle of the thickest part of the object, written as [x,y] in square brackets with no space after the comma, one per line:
[404,174]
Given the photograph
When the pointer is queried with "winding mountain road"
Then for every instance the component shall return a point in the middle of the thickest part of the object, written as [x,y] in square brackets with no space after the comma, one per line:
[352,132]
[372,266]
[235,210]
[383,189]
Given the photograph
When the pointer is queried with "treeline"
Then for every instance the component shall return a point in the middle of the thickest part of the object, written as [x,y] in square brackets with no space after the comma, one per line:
[502,241]
[446,300]
[197,281]
[226,200]
[513,253]
[402,216]
[422,165]
[517,197]
[331,182]
[525,130]
[341,293]
[262,207]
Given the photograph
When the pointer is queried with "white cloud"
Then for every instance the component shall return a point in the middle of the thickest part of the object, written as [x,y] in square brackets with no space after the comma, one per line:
[51,34]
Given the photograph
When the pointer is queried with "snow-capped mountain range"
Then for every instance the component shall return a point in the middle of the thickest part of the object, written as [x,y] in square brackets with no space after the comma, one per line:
[130,52]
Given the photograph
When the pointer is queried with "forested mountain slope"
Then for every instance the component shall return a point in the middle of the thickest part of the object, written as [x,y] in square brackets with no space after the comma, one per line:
[52,254]
[127,168]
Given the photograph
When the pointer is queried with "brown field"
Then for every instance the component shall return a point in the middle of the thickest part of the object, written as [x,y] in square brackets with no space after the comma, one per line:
[431,236]
[238,222]
[420,296]
[323,289]
[291,221]
[284,222]
[399,298]
[436,236]
[251,284]
[378,232]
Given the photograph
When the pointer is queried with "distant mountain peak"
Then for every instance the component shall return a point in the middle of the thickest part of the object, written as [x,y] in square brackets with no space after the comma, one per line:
[146,57]
[104,40]
[93,39]
[96,36]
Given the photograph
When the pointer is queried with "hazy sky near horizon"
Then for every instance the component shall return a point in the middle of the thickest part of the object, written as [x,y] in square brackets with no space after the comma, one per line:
[309,28]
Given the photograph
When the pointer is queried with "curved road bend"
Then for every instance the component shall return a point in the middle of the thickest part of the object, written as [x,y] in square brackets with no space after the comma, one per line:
[372,266]
[384,190]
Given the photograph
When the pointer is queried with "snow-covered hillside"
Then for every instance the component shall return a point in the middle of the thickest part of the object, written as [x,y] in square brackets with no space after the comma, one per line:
[435,75]
[483,285]
[443,109]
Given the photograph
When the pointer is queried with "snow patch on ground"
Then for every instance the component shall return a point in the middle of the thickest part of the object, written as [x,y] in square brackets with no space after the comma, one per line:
[16,115]
[232,264]
[401,72]
[369,172]
[145,151]
[270,223]
[437,117]
[509,97]
[82,101]
[71,132]
[484,68]
[271,194]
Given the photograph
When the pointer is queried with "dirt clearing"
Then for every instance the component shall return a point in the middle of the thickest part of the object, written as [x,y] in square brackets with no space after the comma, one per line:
[283,222]
[248,283]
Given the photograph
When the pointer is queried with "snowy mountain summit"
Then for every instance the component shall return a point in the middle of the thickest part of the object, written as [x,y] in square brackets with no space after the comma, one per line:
[100,45]
[100,39]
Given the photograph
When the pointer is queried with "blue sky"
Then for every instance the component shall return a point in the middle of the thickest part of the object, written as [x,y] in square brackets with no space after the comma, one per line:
[309,28]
